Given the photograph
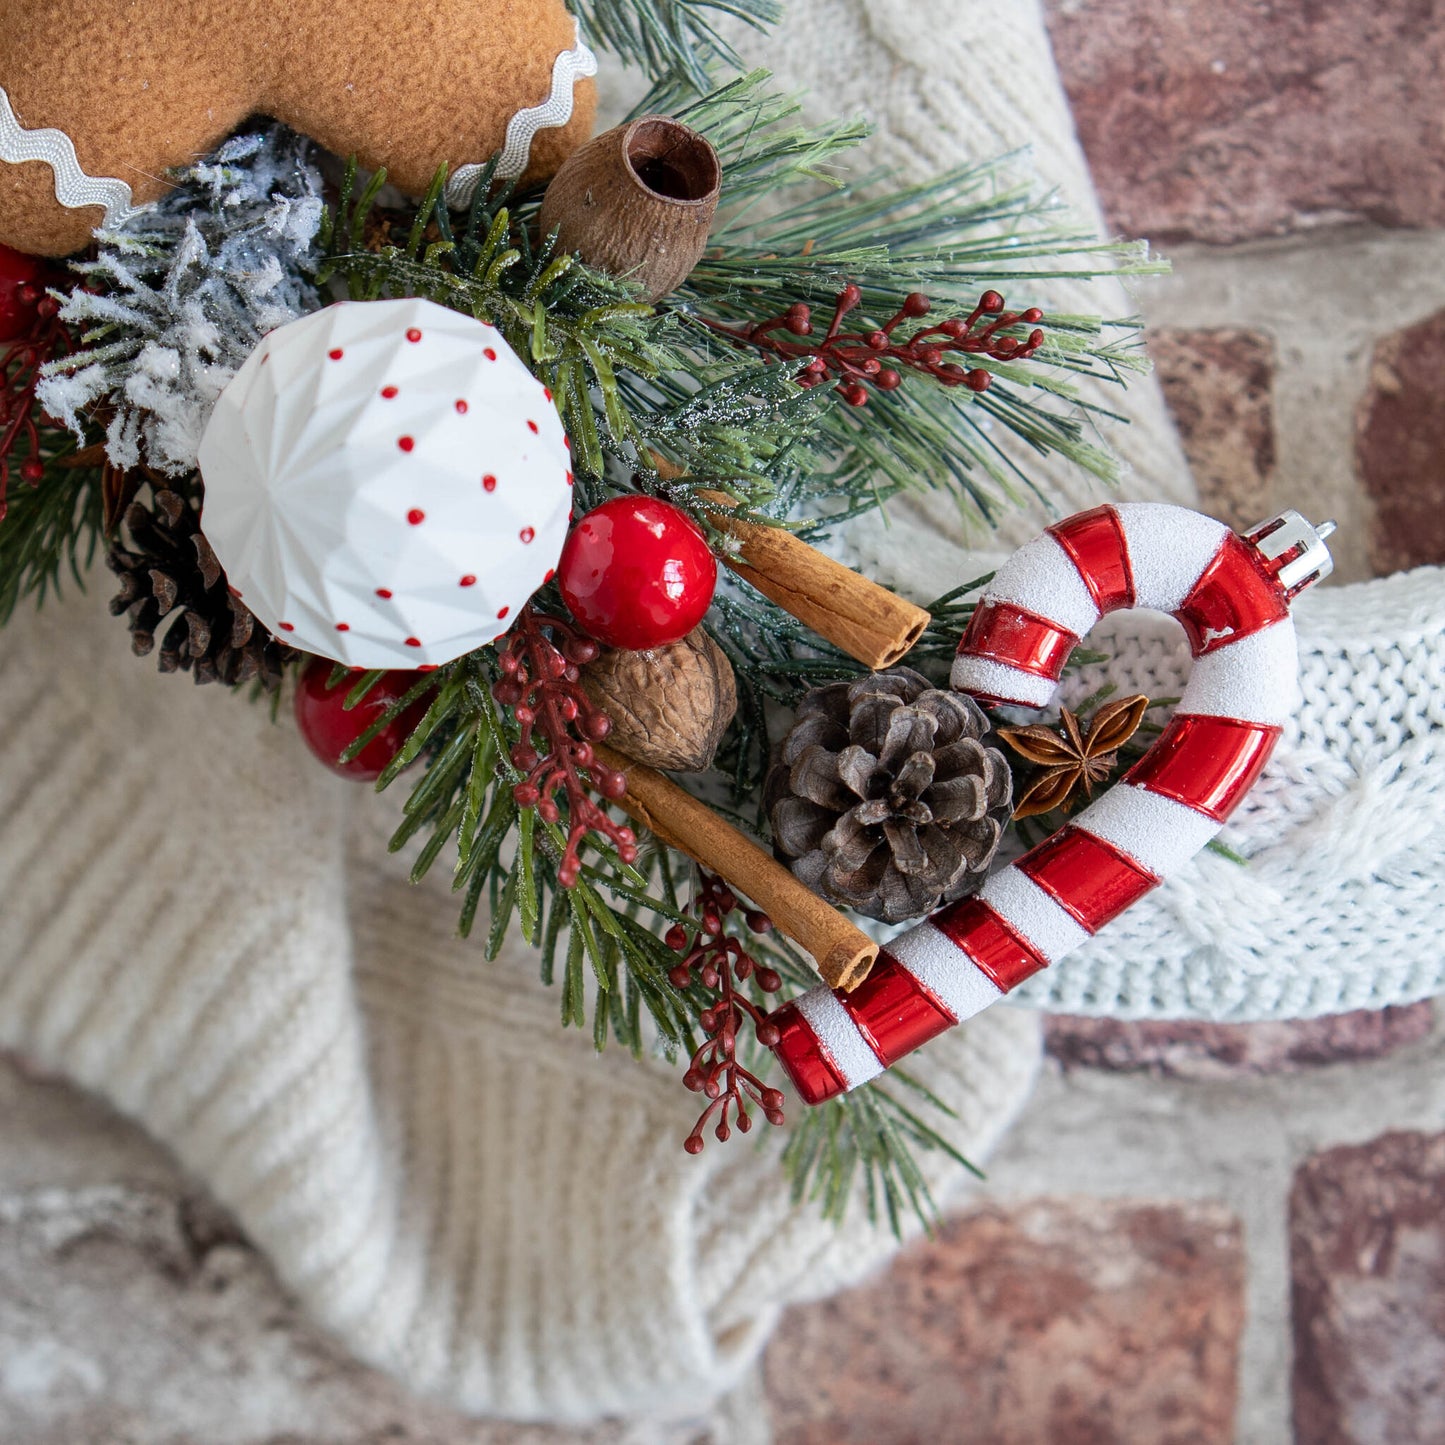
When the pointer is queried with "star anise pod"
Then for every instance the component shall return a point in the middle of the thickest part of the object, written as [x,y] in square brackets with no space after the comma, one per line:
[1073,758]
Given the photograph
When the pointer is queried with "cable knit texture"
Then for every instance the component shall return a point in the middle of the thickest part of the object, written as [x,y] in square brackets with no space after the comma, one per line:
[204,926]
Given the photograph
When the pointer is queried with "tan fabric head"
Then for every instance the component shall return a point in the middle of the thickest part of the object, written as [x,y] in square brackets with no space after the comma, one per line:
[143,85]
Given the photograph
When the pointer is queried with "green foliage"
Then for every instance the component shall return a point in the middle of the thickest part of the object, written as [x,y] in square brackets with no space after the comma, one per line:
[671,38]
[633,379]
[50,529]
[869,1138]
[625,374]
[953,237]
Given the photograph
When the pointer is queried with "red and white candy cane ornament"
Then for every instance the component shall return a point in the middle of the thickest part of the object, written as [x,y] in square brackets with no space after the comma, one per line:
[1233,594]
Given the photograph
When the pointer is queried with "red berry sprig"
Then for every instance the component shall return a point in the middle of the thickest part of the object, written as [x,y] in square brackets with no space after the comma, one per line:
[858,359]
[30,335]
[721,963]
[539,683]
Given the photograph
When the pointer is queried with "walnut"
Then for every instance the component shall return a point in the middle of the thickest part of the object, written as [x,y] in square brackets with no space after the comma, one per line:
[669,705]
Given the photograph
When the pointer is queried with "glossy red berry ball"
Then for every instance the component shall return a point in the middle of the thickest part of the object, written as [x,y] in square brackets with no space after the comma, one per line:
[637,573]
[22,284]
[329,729]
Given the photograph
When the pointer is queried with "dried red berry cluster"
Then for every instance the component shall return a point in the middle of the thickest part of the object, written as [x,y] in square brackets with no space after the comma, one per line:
[559,723]
[41,339]
[857,359]
[720,964]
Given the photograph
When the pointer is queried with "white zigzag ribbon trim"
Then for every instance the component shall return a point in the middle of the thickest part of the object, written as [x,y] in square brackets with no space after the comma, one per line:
[73,188]
[568,68]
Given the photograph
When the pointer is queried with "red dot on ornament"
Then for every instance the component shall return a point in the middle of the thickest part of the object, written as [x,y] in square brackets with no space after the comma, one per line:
[406,443]
[571,480]
[532,426]
[551,573]
[416,516]
[335,353]
[489,353]
[502,613]
[461,407]
[468,581]
[428,666]
[265,358]
[489,483]
[388,392]
[547,392]
[343,627]
[413,333]
[528,533]
[287,626]
[383,592]
[413,642]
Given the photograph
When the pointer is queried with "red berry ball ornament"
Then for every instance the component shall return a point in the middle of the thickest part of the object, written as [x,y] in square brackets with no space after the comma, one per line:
[22,284]
[637,573]
[329,729]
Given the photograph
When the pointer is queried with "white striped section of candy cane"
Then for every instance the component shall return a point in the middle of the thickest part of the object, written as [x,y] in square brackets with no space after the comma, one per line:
[1035,911]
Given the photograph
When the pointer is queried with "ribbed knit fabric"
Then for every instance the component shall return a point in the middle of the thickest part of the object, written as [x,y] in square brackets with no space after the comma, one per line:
[462,1190]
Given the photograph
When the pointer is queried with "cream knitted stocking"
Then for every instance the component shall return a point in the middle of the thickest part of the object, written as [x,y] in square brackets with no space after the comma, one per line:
[466,1194]
[202,925]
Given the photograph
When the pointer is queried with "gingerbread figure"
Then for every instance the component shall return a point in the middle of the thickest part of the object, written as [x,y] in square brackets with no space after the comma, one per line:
[131,87]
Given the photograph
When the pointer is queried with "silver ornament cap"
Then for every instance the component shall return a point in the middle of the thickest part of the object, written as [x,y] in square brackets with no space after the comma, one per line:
[1294,550]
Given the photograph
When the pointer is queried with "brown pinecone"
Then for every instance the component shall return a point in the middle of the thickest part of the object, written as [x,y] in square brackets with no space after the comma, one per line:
[169,570]
[885,798]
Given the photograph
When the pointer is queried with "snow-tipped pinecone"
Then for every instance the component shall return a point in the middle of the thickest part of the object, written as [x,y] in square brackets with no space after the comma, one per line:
[885,798]
[169,570]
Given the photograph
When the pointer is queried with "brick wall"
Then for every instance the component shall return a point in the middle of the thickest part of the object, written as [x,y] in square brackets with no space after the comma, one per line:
[1200,1234]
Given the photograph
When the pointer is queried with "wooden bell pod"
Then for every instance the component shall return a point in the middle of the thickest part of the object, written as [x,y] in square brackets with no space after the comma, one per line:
[637,202]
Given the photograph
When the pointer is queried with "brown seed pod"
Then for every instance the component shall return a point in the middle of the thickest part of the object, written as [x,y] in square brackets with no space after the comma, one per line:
[669,705]
[637,202]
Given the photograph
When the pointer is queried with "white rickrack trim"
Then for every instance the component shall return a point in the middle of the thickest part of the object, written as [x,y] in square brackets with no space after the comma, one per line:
[568,68]
[73,188]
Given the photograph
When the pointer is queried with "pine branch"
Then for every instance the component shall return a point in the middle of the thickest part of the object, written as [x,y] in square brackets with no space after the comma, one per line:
[624,373]
[951,238]
[866,1141]
[51,529]
[671,38]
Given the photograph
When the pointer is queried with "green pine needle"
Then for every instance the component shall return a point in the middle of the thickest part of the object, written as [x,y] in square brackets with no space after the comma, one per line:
[50,531]
[671,38]
[864,1143]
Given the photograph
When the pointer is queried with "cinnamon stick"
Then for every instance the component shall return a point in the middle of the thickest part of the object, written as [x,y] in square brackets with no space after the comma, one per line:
[854,613]
[843,953]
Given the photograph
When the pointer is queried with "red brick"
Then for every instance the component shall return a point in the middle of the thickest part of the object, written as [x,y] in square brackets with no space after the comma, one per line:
[1367,1251]
[1400,447]
[1083,1321]
[1219,122]
[1190,1050]
[1220,386]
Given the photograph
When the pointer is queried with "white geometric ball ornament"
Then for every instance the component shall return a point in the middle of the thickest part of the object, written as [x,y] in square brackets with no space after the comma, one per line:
[386,483]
